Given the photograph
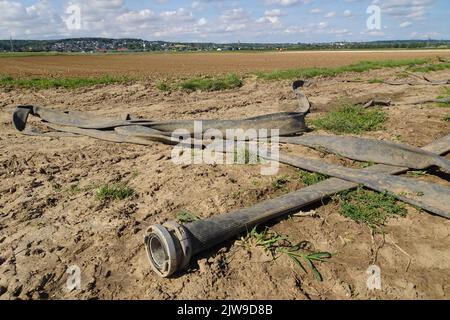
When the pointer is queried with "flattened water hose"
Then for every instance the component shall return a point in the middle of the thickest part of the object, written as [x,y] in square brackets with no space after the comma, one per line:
[171,246]
[142,131]
[440,100]
[371,150]
[288,123]
[429,196]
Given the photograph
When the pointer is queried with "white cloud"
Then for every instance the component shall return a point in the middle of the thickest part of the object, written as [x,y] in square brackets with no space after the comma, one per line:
[338,31]
[322,25]
[272,17]
[195,5]
[273,13]
[133,17]
[405,24]
[348,14]
[202,21]
[37,20]
[236,14]
[284,3]
[178,14]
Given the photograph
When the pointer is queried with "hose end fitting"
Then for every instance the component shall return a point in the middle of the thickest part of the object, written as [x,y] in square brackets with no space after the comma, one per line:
[168,248]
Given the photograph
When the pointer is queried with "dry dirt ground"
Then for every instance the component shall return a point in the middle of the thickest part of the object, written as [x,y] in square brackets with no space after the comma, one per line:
[182,64]
[50,218]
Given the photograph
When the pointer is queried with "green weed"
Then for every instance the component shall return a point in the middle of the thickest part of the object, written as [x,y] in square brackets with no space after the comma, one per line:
[331,72]
[311,178]
[212,83]
[115,192]
[300,253]
[186,216]
[369,207]
[66,83]
[351,119]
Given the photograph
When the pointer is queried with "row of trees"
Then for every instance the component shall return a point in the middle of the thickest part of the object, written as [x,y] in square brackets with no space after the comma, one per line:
[101,44]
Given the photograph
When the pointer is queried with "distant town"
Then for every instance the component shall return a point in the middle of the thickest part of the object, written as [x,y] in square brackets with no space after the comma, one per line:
[98,45]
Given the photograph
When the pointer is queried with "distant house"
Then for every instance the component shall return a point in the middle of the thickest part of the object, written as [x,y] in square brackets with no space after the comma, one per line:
[123,49]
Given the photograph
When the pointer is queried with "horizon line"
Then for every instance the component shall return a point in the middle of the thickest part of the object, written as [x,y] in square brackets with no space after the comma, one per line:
[238,42]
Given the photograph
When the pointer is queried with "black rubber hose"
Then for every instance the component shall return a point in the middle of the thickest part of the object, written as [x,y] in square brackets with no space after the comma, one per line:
[171,246]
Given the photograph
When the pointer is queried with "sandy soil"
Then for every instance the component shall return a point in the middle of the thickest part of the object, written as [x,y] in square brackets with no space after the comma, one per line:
[179,64]
[45,228]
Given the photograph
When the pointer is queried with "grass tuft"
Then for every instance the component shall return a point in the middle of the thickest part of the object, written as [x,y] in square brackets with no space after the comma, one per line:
[186,216]
[351,119]
[163,86]
[115,192]
[74,189]
[431,67]
[369,207]
[311,178]
[359,67]
[212,84]
[66,83]
[416,173]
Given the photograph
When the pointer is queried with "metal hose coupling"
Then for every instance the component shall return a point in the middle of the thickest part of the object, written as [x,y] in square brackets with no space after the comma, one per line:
[168,248]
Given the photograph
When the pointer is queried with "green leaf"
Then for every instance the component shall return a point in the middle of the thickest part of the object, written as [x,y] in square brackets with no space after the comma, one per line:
[315,271]
[320,256]
[297,262]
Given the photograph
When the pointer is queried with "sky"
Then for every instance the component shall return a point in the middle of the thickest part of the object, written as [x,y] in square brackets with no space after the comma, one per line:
[224,21]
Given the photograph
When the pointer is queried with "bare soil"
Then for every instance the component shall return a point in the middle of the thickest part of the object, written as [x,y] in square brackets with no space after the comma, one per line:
[153,65]
[46,226]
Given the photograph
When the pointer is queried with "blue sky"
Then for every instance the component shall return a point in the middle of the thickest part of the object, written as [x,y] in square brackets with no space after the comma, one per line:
[226,20]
